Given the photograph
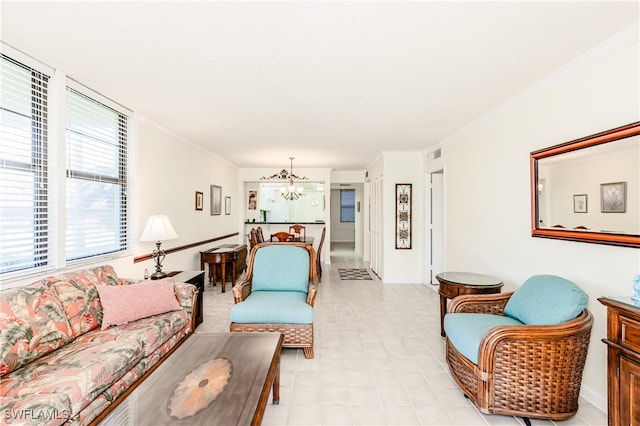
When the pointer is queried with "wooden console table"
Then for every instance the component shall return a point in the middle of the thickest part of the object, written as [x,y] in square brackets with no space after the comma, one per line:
[235,254]
[453,284]
[623,353]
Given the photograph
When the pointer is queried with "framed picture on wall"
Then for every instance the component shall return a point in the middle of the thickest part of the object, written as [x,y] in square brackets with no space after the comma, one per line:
[580,203]
[216,199]
[403,216]
[227,205]
[252,200]
[613,197]
[199,200]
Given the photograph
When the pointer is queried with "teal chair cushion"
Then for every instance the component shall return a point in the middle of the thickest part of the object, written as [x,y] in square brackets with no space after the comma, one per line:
[465,331]
[277,307]
[281,268]
[546,299]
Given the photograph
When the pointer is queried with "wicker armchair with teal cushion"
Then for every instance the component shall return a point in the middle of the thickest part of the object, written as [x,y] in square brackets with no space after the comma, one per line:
[522,353]
[278,294]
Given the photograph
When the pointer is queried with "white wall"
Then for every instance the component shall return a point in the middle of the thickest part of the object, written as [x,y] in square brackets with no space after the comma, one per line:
[487,193]
[170,170]
[402,265]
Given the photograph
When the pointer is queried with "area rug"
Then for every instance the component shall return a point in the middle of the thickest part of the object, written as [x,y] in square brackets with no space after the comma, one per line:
[349,274]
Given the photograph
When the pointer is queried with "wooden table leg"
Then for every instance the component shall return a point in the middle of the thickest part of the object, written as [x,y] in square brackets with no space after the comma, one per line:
[224,274]
[276,386]
[212,272]
[233,272]
[443,311]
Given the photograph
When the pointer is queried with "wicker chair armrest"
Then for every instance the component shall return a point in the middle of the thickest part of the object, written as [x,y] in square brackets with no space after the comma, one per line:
[311,294]
[512,344]
[480,303]
[241,291]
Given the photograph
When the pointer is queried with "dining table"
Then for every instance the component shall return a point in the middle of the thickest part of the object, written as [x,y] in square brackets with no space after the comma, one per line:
[308,240]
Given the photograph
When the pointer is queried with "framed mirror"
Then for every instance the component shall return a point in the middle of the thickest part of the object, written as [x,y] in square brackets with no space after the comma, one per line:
[588,190]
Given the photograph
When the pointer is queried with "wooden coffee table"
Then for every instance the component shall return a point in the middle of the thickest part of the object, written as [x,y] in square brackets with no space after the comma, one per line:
[453,284]
[211,379]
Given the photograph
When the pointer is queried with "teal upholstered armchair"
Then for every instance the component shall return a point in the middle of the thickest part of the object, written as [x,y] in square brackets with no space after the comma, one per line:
[521,353]
[278,294]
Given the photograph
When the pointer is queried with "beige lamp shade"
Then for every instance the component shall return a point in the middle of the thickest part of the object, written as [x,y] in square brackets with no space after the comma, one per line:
[158,228]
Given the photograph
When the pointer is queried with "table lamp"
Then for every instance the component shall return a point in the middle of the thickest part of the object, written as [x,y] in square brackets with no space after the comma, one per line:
[158,229]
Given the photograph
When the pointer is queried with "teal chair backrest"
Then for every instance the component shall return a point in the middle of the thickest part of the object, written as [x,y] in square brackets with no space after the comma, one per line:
[546,299]
[281,267]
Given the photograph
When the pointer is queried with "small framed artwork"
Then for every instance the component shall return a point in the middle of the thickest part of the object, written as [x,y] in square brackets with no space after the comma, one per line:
[199,200]
[252,201]
[613,197]
[403,216]
[580,203]
[227,205]
[216,199]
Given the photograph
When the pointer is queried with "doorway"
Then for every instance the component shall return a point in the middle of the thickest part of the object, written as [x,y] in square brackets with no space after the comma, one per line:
[435,226]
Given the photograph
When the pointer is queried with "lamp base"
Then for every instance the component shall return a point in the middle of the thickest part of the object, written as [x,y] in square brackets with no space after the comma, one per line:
[157,275]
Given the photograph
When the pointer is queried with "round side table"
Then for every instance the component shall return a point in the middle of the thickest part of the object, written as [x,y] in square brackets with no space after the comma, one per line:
[453,284]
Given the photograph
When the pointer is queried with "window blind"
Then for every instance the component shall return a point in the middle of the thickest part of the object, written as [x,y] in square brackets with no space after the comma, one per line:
[24,217]
[96,178]
[347,205]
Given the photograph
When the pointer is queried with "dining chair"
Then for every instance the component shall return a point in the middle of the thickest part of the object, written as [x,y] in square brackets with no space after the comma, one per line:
[319,253]
[252,238]
[299,232]
[281,236]
[259,235]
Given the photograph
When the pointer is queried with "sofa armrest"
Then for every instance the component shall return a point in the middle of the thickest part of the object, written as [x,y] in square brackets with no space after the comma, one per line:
[186,294]
[480,303]
[311,294]
[241,291]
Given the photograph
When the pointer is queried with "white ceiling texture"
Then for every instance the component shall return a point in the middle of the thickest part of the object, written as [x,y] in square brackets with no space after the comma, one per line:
[331,83]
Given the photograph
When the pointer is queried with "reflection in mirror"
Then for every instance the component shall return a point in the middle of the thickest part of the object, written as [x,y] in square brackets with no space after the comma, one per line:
[268,205]
[589,189]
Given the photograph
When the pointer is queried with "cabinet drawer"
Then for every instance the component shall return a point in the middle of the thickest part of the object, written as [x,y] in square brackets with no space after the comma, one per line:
[630,333]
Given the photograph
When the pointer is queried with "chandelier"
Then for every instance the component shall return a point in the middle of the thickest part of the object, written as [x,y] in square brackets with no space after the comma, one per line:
[291,192]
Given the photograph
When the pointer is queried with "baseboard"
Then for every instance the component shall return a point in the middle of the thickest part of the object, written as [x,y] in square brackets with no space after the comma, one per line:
[594,398]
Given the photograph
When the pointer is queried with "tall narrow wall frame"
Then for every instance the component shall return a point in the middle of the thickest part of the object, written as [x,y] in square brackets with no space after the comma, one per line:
[403,216]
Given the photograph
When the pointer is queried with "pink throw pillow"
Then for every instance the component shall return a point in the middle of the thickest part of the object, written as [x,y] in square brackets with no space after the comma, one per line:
[124,303]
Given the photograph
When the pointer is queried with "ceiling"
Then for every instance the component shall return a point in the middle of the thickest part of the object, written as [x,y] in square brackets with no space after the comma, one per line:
[331,83]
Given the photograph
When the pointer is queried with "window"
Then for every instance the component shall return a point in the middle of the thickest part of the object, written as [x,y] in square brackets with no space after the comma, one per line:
[90,168]
[24,223]
[96,178]
[347,205]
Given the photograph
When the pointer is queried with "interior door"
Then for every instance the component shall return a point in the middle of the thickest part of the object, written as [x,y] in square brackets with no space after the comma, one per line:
[437,225]
[376,226]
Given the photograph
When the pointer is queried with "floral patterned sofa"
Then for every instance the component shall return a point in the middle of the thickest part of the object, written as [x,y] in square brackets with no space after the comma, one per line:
[71,344]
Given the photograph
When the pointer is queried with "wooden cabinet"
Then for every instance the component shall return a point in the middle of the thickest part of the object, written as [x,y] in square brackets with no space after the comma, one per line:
[623,341]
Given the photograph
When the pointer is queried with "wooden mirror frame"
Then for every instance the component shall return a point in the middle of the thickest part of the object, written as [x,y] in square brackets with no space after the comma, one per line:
[616,239]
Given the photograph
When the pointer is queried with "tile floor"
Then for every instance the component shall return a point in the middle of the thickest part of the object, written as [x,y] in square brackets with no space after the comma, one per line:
[379,359]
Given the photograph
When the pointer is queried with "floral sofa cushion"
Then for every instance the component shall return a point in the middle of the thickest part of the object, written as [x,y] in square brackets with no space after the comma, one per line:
[79,370]
[150,333]
[32,324]
[107,276]
[79,296]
